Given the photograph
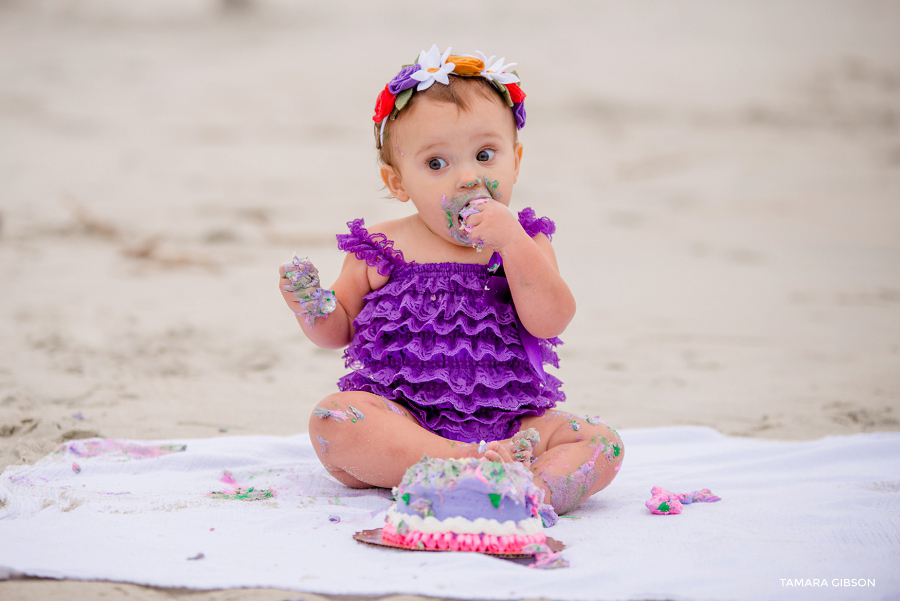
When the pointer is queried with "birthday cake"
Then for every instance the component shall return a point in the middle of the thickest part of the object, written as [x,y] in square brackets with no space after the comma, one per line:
[465,505]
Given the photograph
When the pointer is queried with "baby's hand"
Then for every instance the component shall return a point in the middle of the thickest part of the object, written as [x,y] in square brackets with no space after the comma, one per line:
[300,289]
[493,225]
[301,273]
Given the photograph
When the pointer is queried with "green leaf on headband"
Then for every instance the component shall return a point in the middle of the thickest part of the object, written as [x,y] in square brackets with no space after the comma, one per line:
[402,98]
[504,91]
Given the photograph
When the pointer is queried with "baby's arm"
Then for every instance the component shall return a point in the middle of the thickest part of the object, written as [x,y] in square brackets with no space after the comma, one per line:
[543,300]
[334,330]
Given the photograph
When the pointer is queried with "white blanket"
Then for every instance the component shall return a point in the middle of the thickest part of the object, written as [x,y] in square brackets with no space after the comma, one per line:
[797,520]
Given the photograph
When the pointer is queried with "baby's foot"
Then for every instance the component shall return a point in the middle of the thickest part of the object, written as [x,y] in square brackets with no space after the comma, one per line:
[519,448]
[495,451]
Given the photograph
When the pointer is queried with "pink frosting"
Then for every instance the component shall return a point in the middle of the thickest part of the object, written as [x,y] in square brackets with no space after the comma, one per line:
[451,541]
[664,502]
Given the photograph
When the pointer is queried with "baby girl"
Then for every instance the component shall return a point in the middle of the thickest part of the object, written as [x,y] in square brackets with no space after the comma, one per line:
[447,343]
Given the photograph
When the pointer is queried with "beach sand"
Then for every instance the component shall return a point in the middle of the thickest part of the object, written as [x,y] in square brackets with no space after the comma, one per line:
[726,187]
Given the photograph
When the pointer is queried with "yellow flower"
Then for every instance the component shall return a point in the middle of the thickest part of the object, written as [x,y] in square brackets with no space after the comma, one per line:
[468,66]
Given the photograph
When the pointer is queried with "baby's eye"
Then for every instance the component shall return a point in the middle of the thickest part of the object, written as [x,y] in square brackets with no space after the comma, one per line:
[484,155]
[436,163]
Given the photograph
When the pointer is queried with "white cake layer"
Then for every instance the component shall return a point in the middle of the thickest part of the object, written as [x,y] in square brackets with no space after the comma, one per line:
[460,525]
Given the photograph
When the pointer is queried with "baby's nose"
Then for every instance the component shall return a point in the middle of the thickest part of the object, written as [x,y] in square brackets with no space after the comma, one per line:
[468,184]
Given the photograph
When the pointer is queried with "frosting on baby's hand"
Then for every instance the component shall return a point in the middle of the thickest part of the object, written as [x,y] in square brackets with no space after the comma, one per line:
[304,284]
[301,273]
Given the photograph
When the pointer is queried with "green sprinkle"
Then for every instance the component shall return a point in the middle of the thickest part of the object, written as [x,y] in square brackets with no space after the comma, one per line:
[495,500]
[405,497]
[664,506]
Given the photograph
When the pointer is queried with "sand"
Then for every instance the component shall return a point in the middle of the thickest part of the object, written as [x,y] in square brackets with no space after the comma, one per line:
[725,185]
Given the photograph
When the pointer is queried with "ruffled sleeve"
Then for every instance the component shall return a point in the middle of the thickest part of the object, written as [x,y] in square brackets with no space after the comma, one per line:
[535,225]
[375,249]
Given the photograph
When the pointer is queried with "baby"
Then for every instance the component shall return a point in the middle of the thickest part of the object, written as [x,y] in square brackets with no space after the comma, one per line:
[447,343]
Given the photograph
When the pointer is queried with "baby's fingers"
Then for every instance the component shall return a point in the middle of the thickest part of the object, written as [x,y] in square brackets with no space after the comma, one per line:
[301,273]
[472,220]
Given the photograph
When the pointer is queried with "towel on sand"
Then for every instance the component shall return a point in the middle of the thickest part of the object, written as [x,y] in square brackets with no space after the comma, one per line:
[797,520]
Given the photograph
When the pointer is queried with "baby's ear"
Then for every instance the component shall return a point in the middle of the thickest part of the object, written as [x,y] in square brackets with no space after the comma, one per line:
[518,150]
[394,182]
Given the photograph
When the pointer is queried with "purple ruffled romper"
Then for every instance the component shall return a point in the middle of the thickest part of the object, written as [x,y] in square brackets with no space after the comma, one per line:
[431,341]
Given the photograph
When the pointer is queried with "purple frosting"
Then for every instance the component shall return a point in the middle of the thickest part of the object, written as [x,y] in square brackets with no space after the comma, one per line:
[451,488]
[467,499]
[429,340]
[403,80]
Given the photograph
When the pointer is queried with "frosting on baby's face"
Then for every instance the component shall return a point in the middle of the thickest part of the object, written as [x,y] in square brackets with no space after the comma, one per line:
[452,160]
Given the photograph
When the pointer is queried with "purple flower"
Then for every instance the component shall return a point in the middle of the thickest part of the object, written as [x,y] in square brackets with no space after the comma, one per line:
[519,113]
[403,80]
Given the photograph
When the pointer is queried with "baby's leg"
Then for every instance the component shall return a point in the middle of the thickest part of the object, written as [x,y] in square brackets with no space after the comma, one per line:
[575,458]
[365,440]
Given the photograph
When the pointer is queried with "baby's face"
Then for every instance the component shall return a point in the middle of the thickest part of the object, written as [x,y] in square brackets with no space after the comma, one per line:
[446,157]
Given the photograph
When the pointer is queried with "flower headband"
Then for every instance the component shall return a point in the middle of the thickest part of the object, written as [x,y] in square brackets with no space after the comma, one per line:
[433,66]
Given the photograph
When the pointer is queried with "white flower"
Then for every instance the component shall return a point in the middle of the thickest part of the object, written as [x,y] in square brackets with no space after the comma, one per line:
[496,70]
[434,67]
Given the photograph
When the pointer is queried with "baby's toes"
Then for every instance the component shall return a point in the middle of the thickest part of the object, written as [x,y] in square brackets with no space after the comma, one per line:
[497,452]
[492,456]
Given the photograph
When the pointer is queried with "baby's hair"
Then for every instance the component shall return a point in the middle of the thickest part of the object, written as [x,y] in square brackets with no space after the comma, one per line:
[458,91]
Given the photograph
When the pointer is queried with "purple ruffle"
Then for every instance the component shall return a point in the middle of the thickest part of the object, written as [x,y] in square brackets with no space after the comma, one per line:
[429,340]
[535,225]
[375,249]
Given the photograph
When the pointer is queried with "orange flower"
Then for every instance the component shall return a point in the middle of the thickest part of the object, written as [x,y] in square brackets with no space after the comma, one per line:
[468,66]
